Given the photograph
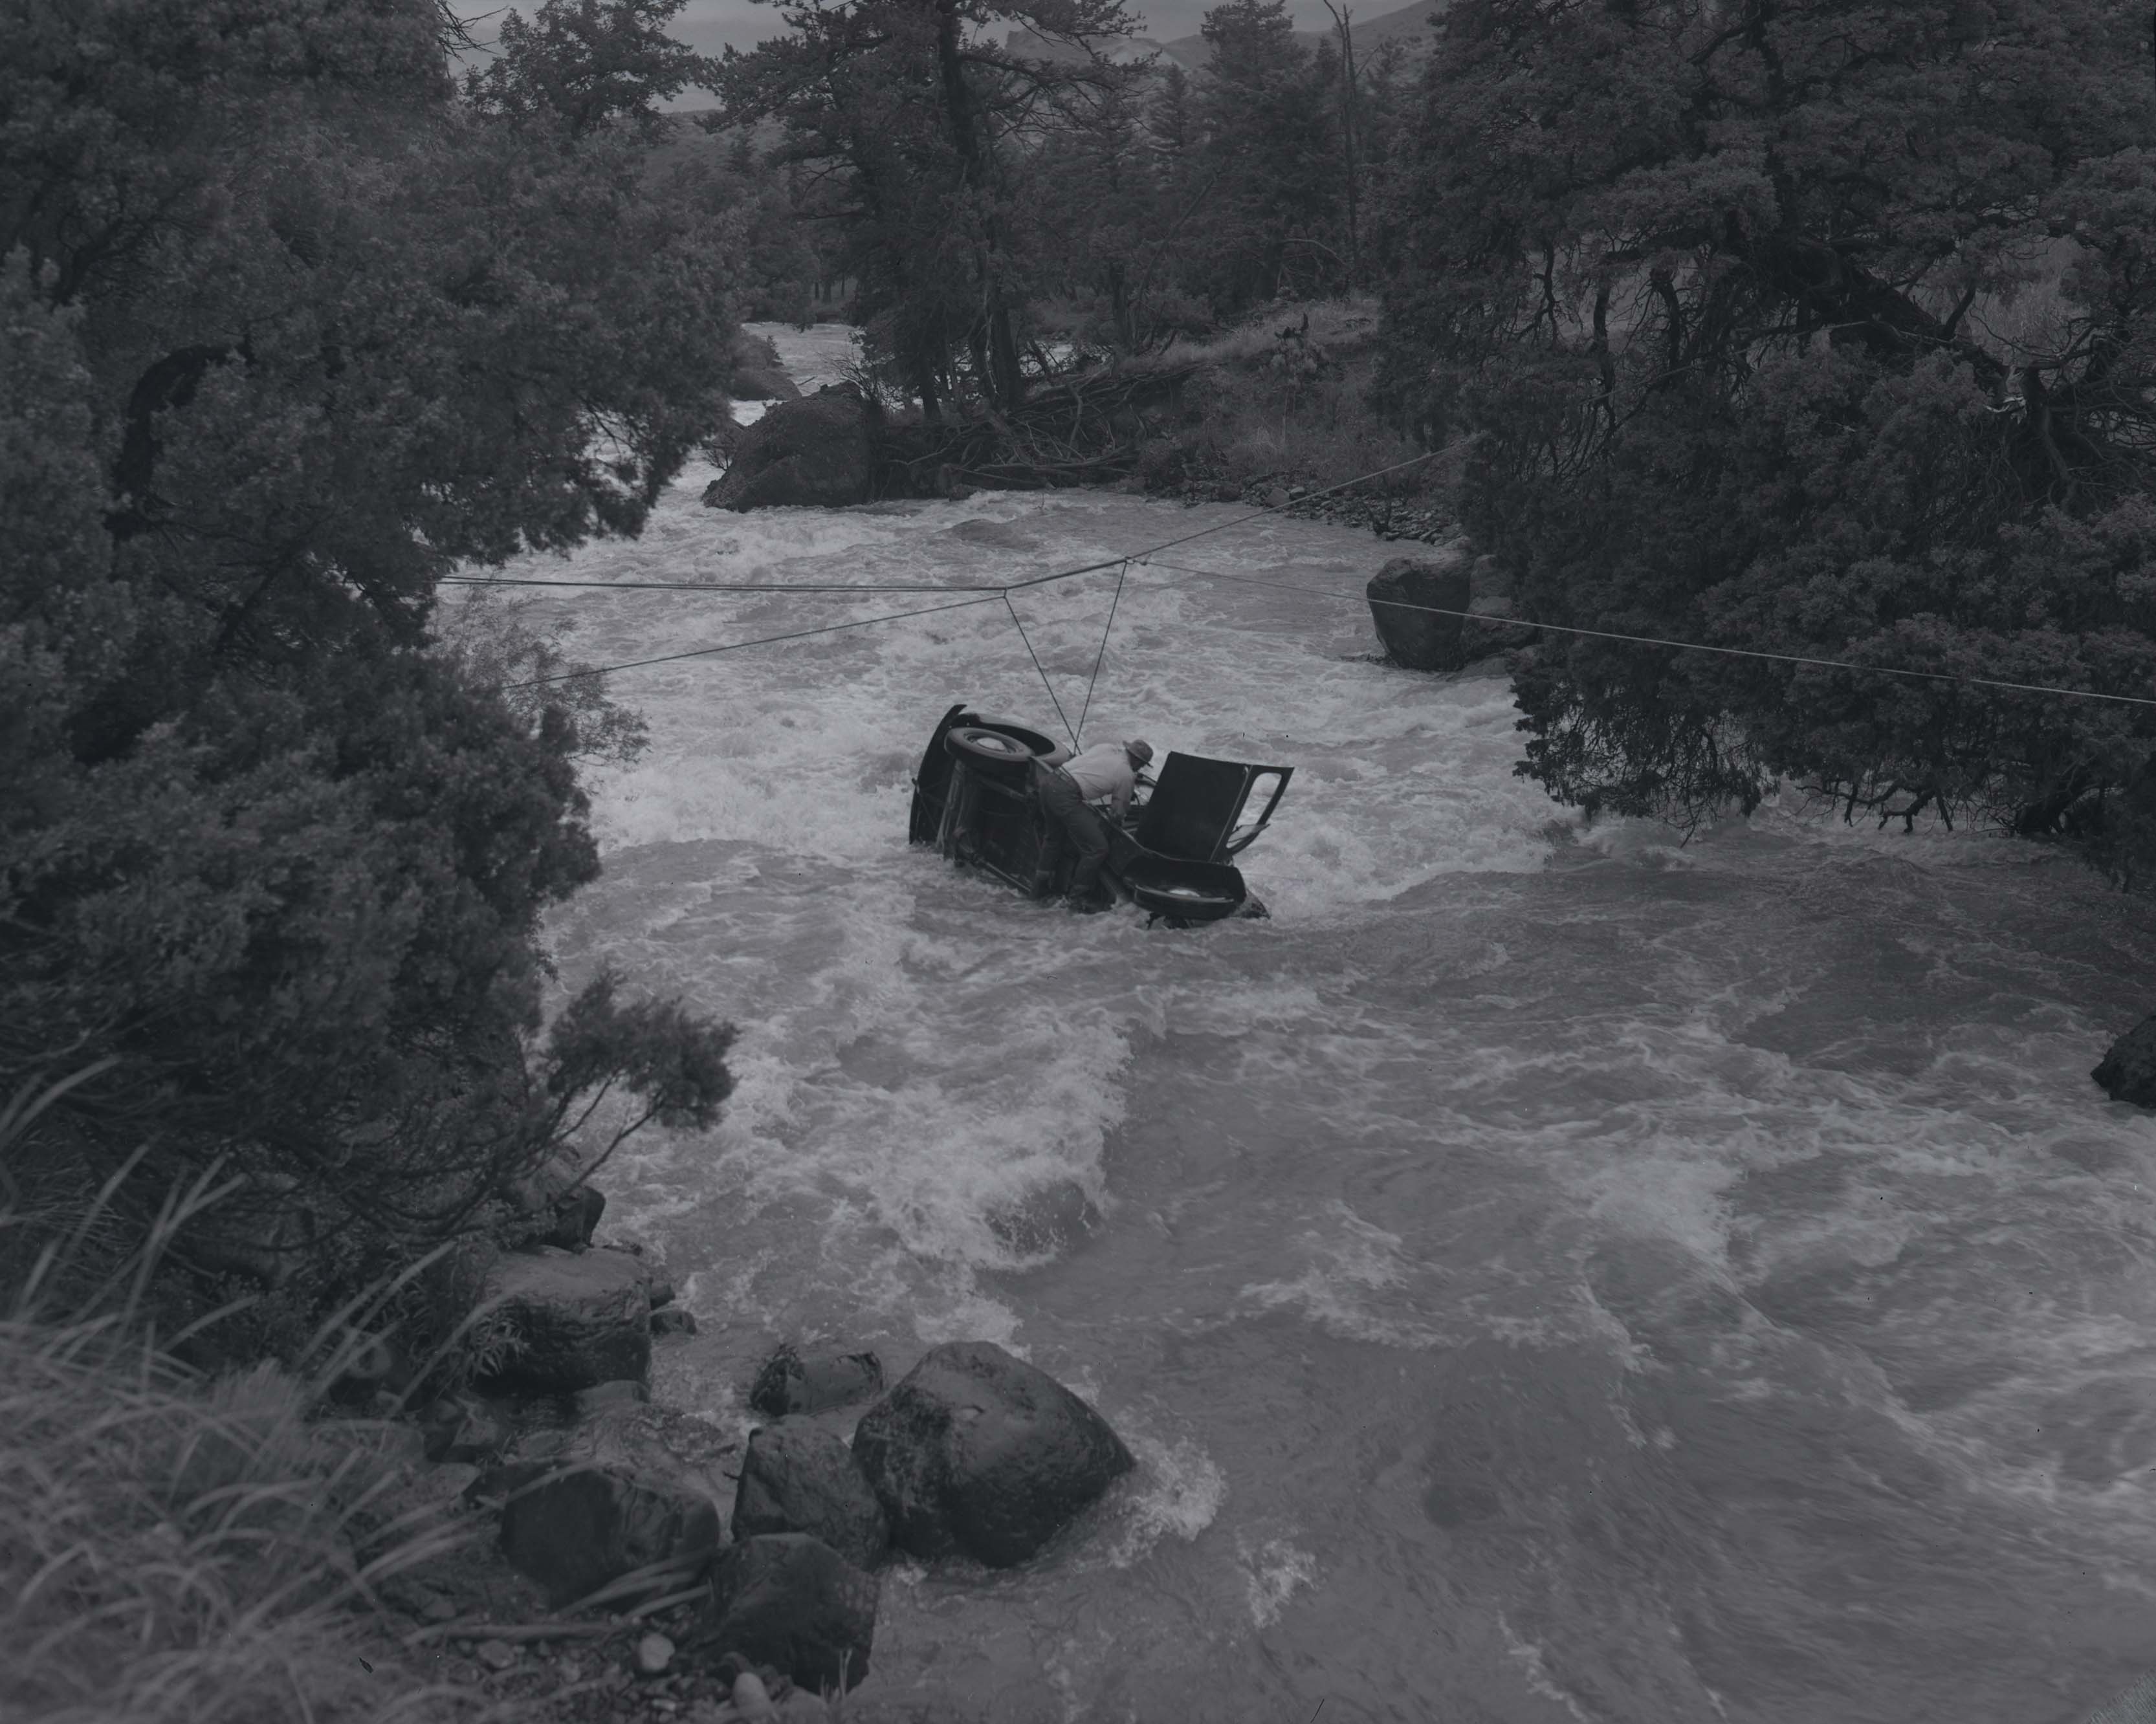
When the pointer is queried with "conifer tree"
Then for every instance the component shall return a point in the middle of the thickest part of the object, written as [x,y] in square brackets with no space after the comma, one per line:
[1816,327]
[929,124]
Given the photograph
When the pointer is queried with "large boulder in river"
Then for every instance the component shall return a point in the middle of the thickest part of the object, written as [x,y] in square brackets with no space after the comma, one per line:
[560,1321]
[799,1477]
[2128,1072]
[789,1600]
[819,450]
[1410,598]
[975,1451]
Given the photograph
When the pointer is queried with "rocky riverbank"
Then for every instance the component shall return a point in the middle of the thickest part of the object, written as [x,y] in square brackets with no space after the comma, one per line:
[581,1552]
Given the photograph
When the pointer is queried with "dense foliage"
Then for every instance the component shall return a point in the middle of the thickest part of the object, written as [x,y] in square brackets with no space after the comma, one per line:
[917,124]
[999,173]
[1812,327]
[286,330]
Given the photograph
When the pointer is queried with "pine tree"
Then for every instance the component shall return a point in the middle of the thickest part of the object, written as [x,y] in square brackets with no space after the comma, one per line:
[930,124]
[1820,327]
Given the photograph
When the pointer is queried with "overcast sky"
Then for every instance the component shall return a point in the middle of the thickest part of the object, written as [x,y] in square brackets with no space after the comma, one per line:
[708,25]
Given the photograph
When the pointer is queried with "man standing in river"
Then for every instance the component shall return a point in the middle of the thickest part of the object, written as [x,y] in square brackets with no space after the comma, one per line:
[1066,783]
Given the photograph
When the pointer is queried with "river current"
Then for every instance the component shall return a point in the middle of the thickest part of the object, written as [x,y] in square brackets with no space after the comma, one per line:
[1549,1275]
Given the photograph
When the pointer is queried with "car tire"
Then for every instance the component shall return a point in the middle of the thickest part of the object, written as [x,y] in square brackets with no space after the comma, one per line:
[1000,755]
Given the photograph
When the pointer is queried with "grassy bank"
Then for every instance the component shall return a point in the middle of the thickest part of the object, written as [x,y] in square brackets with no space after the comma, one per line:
[178,1550]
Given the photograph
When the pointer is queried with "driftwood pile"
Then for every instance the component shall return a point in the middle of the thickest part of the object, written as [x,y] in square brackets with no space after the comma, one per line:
[1078,426]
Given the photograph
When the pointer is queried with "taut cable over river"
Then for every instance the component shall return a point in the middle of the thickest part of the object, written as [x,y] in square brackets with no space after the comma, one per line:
[1544,1274]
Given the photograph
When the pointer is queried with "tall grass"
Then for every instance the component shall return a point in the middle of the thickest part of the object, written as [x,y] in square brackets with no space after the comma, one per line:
[181,1550]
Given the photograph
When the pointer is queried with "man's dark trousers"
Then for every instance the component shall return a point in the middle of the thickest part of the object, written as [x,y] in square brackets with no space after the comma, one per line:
[1067,814]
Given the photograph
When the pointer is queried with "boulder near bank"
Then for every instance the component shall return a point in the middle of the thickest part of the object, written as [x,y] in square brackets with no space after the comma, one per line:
[567,1321]
[818,451]
[1415,603]
[976,1452]
[2127,1069]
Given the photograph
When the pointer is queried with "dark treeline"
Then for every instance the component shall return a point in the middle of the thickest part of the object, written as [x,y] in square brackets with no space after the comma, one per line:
[993,179]
[290,324]
[1821,329]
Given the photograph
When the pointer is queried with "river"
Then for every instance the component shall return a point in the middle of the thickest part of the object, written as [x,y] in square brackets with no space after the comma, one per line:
[1547,1274]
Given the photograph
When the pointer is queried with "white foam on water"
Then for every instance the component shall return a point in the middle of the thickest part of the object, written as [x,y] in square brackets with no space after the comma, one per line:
[1273,1572]
[920,1055]
[1395,775]
[1353,1265]
[1181,1492]
[1534,1667]
[931,1070]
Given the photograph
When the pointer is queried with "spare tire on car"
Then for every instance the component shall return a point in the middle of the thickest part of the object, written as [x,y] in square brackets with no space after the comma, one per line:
[997,753]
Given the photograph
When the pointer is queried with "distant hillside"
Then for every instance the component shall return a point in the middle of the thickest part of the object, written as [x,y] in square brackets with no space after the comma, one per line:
[1410,24]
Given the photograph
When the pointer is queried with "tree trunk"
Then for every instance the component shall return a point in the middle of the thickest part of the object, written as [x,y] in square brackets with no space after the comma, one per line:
[1342,17]
[1006,384]
[1119,305]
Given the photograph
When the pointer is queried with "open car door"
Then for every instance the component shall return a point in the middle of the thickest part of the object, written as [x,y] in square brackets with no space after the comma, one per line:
[1200,809]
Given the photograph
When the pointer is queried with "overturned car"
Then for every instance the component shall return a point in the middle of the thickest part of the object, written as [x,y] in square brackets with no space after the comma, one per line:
[974,799]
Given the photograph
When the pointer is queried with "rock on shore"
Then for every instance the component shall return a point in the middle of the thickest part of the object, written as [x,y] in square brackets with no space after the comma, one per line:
[573,1321]
[798,1477]
[576,1528]
[977,1452]
[790,1600]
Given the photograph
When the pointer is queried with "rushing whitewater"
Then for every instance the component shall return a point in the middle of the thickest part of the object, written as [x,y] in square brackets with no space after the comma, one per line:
[1546,1274]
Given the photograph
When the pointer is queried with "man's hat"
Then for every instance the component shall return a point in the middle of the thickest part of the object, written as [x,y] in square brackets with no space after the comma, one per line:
[1142,752]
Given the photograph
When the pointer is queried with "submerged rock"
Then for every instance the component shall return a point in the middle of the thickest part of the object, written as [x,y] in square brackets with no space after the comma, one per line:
[979,1452]
[798,1380]
[818,450]
[790,1600]
[798,1477]
[1425,639]
[2128,1072]
[571,1321]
